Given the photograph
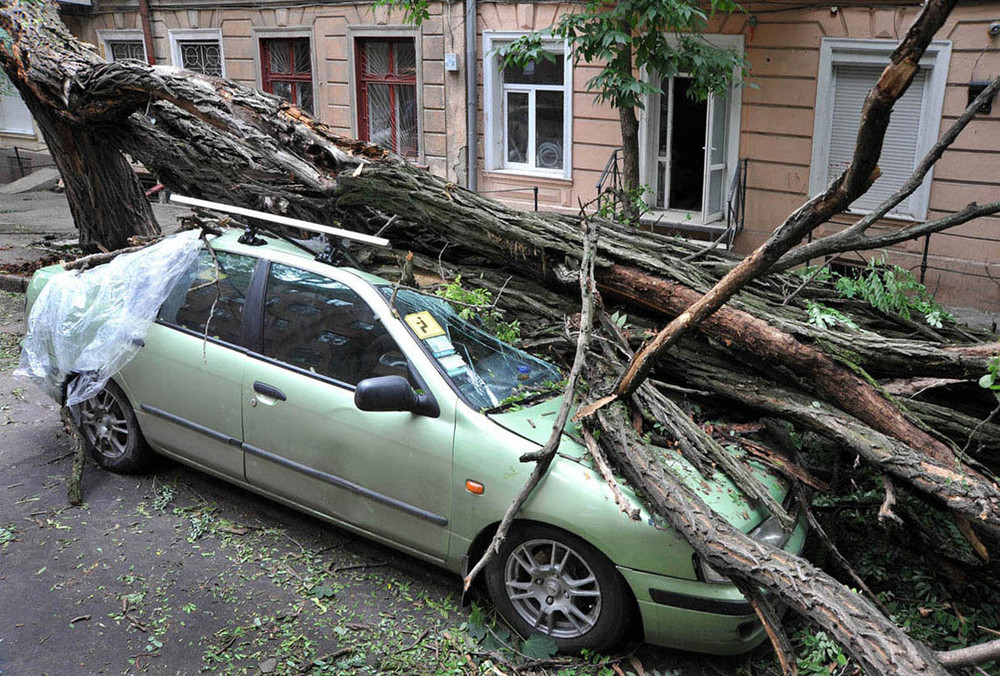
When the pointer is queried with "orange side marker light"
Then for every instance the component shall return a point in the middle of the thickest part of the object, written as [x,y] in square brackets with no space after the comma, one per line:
[474,487]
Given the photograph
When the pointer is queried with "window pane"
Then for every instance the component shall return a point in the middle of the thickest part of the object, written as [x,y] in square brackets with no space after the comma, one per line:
[405,58]
[282,89]
[851,85]
[303,59]
[322,326]
[720,122]
[14,114]
[543,72]
[202,57]
[279,62]
[192,299]
[406,120]
[304,98]
[716,188]
[517,127]
[687,148]
[127,49]
[376,58]
[661,177]
[380,116]
[549,129]
[666,85]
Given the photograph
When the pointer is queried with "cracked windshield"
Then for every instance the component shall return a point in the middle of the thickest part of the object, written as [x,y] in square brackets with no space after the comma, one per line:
[485,370]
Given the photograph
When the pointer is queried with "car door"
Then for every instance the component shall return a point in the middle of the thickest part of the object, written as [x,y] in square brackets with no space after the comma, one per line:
[386,473]
[186,383]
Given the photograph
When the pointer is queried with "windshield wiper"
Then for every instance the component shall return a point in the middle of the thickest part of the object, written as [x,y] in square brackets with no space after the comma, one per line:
[530,399]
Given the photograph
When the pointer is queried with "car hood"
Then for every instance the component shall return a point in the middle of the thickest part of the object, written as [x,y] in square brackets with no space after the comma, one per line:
[534,422]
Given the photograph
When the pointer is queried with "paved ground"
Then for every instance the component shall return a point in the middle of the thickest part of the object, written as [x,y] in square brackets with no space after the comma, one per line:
[29,222]
[178,573]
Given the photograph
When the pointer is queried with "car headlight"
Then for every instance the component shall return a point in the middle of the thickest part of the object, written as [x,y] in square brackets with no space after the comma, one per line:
[768,532]
[709,574]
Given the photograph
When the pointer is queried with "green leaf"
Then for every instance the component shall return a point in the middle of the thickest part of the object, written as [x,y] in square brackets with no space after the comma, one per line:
[987,381]
[539,647]
[322,591]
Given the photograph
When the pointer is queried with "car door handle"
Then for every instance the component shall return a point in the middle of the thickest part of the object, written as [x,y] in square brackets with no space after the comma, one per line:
[266,390]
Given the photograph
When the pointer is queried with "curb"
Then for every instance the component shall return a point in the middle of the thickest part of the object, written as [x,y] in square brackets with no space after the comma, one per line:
[13,283]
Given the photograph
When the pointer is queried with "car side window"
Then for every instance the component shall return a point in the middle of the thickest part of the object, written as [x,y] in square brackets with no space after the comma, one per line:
[201,292]
[322,326]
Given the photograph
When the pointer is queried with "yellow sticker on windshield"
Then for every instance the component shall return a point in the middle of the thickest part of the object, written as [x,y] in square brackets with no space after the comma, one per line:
[424,325]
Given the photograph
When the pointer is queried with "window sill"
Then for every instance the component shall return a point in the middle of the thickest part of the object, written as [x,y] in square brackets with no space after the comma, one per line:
[680,221]
[901,218]
[537,175]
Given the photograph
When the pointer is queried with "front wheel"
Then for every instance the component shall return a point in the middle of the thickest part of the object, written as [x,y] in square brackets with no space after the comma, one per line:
[111,432]
[545,580]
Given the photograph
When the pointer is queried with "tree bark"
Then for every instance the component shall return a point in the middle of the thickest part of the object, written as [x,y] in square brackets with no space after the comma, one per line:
[629,123]
[105,198]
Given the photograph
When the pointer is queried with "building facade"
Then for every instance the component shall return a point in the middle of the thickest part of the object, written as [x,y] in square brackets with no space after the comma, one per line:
[540,134]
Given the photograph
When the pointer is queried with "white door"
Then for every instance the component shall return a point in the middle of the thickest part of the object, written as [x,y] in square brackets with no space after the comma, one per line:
[714,196]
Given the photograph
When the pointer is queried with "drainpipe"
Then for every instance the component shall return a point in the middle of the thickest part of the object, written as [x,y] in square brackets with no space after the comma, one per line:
[147,31]
[471,62]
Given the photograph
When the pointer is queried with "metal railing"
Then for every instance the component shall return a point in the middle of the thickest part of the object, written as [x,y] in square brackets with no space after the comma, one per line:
[610,182]
[534,190]
[736,205]
[20,166]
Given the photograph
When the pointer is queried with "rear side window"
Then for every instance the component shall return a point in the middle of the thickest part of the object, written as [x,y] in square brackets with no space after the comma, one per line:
[204,290]
[322,326]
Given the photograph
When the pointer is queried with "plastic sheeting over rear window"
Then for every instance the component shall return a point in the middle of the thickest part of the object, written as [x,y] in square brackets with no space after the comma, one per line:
[85,326]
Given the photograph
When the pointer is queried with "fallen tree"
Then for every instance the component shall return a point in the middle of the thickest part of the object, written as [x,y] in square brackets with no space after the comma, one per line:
[755,344]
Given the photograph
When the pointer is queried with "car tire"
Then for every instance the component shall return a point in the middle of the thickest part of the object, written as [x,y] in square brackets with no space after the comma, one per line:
[111,432]
[580,600]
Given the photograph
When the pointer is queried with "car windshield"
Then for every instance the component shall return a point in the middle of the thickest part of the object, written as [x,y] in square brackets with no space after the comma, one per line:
[485,370]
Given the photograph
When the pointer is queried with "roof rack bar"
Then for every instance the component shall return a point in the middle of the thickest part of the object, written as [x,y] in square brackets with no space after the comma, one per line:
[283,220]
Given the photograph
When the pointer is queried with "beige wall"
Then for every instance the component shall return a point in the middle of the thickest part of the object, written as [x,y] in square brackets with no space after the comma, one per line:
[776,124]
[443,115]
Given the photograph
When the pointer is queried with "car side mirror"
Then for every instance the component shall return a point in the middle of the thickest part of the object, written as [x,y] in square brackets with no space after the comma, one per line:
[393,393]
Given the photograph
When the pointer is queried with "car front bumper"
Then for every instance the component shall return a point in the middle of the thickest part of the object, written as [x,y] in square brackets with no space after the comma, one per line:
[699,616]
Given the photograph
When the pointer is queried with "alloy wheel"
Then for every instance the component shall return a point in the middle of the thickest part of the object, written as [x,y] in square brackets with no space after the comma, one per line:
[103,422]
[552,588]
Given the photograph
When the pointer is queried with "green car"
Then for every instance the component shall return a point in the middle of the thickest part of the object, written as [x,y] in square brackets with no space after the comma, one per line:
[381,411]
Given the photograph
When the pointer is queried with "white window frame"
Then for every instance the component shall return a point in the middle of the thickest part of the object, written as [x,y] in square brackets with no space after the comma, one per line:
[106,36]
[389,33]
[176,37]
[649,133]
[13,98]
[840,51]
[494,110]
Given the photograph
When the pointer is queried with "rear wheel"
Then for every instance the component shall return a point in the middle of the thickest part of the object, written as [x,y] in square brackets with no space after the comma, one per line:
[547,581]
[111,432]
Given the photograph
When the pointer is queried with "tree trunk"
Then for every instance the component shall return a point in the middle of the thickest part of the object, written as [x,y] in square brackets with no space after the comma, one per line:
[630,148]
[105,198]
[106,217]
